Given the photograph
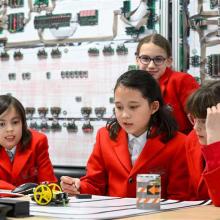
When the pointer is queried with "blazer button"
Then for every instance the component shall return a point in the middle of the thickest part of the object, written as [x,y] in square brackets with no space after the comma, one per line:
[130,180]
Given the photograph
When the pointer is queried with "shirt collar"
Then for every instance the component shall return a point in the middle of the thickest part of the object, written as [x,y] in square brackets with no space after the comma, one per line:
[13,150]
[141,139]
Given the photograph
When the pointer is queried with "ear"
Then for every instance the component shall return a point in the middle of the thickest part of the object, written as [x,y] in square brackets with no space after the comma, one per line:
[154,106]
[169,61]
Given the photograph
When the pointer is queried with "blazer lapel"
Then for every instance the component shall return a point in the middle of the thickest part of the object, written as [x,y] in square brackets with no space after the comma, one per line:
[164,80]
[121,150]
[5,161]
[20,159]
[151,149]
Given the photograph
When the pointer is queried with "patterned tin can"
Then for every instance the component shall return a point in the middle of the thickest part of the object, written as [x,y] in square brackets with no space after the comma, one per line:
[148,191]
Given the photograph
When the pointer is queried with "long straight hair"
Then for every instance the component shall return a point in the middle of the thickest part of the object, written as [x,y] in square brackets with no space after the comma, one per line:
[161,122]
[7,101]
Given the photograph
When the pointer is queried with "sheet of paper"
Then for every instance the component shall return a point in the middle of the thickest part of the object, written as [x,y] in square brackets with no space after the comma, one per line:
[100,207]
[8,193]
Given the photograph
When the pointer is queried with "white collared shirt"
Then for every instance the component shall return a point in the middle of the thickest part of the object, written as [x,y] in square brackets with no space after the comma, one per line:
[136,145]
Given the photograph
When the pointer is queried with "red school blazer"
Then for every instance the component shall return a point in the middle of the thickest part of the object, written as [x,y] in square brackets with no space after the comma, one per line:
[176,87]
[110,172]
[204,184]
[32,165]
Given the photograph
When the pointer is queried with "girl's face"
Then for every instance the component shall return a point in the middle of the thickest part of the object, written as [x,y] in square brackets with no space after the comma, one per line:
[132,110]
[151,50]
[10,128]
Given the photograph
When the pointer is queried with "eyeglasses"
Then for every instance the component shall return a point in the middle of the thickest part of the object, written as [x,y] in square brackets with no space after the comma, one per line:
[158,60]
[199,121]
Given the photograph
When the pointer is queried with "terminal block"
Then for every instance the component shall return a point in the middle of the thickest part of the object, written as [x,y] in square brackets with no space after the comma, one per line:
[12,76]
[151,14]
[214,65]
[121,50]
[74,74]
[48,75]
[42,111]
[56,53]
[100,111]
[63,74]
[78,98]
[93,52]
[198,22]
[87,127]
[71,127]
[126,7]
[41,3]
[133,31]
[52,21]
[83,74]
[26,76]
[86,111]
[108,51]
[18,55]
[16,22]
[55,111]
[4,56]
[42,54]
[195,61]
[88,17]
[15,3]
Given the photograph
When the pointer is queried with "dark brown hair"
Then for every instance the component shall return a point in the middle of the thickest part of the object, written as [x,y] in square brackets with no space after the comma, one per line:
[7,101]
[206,96]
[161,121]
[156,39]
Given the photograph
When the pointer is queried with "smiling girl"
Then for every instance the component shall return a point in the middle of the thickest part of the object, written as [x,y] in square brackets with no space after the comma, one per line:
[23,153]
[153,54]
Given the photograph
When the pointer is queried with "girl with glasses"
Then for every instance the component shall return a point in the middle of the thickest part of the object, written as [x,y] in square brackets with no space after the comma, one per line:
[23,152]
[203,143]
[141,138]
[153,54]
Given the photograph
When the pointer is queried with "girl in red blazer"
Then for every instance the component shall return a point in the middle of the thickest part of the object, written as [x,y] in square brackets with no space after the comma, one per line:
[203,143]
[154,55]
[141,116]
[30,161]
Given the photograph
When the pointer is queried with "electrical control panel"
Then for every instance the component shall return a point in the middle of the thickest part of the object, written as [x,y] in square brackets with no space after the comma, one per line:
[61,59]
[203,39]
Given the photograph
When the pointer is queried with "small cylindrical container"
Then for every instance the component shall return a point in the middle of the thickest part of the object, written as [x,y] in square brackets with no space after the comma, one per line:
[148,191]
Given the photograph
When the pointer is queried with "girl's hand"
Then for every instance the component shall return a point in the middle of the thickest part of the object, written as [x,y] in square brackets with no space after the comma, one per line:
[70,185]
[213,124]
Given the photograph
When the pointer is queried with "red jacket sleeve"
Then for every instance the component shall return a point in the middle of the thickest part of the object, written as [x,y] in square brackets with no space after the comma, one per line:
[204,168]
[211,174]
[6,185]
[95,181]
